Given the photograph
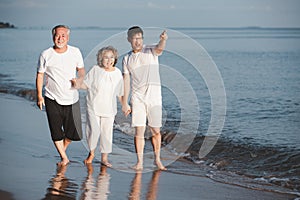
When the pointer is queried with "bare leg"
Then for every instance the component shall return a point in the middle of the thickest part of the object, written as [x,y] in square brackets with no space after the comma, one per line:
[90,157]
[104,160]
[139,143]
[61,150]
[156,143]
[66,143]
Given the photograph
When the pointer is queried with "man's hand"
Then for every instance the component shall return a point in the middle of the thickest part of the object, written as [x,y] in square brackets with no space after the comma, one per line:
[74,83]
[126,110]
[164,35]
[40,102]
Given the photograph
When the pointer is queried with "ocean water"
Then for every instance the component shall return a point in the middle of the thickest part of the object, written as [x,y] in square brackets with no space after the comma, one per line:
[258,145]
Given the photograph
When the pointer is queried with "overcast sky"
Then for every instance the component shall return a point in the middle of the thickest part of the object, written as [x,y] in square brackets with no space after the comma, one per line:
[152,13]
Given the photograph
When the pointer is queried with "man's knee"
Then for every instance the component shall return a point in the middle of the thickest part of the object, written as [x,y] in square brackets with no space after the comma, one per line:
[140,131]
[155,131]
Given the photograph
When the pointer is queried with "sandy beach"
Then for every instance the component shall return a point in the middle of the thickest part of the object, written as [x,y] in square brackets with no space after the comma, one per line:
[28,168]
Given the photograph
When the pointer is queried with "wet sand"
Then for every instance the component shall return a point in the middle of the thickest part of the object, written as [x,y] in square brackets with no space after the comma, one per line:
[28,168]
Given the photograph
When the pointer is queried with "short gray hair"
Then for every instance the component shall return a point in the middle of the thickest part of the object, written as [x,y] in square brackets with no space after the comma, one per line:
[60,26]
[102,51]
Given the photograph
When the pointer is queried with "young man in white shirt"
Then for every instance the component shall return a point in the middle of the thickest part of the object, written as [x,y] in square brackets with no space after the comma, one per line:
[60,64]
[142,66]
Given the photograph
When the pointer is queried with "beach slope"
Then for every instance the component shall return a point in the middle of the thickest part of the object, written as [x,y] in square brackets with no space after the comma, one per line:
[28,168]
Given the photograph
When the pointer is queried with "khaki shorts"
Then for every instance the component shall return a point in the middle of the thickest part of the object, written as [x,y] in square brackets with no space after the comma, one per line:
[143,112]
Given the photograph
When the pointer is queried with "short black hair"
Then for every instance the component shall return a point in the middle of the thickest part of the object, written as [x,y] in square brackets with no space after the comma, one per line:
[134,30]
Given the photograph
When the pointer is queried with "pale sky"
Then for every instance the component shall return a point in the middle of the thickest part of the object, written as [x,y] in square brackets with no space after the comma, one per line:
[151,13]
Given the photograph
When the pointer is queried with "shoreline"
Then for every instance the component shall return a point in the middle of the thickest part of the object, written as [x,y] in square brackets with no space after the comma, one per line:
[31,172]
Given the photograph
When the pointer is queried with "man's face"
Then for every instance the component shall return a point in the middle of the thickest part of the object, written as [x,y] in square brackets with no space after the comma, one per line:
[136,42]
[61,37]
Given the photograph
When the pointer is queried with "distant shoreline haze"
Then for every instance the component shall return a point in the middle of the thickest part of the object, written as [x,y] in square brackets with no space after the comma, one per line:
[6,25]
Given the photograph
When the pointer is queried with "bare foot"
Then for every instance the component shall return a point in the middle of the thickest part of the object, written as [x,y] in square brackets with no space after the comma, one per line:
[159,165]
[138,166]
[106,163]
[63,162]
[89,159]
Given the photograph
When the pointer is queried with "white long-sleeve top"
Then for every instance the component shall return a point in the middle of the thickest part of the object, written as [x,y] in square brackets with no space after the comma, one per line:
[103,89]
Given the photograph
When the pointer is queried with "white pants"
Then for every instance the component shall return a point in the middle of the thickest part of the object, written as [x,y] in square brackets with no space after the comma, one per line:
[97,126]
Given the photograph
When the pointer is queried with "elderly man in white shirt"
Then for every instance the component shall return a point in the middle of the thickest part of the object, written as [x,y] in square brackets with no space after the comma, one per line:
[60,64]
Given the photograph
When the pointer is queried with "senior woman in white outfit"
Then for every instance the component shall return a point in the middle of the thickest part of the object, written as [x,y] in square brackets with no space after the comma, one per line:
[104,82]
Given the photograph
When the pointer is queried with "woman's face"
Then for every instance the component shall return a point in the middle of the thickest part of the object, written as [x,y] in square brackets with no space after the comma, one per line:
[108,60]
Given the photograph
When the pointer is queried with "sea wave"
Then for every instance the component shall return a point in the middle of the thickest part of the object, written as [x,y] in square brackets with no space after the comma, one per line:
[27,93]
[276,165]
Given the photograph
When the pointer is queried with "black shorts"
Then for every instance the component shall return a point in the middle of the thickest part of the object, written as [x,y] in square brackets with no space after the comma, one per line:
[64,121]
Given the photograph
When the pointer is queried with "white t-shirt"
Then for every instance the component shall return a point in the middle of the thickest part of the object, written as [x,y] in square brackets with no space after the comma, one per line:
[144,70]
[103,88]
[60,69]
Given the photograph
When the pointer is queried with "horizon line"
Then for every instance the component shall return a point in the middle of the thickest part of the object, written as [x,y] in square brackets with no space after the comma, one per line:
[171,27]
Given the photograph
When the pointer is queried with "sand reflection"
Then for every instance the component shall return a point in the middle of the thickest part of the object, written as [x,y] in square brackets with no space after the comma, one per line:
[96,189]
[60,186]
[136,186]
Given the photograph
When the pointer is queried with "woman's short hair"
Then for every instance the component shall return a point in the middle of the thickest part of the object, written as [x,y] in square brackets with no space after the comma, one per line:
[102,51]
